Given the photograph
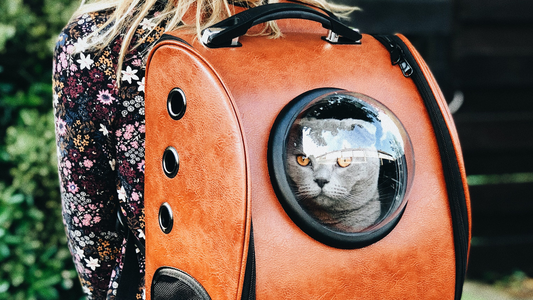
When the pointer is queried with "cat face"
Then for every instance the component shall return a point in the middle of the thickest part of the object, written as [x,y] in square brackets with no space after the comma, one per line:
[333,165]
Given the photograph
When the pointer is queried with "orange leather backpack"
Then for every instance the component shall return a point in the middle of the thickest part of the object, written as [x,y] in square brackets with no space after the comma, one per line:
[337,148]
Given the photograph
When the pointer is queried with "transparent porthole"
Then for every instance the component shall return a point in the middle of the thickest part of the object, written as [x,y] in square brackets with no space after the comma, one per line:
[341,164]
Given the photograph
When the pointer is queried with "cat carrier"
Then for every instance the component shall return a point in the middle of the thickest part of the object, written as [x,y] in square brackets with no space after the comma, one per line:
[321,165]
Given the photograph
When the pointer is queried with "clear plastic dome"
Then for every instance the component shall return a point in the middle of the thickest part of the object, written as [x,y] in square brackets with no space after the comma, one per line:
[348,163]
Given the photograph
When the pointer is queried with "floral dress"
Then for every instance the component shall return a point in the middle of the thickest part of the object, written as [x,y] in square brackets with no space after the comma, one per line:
[100,132]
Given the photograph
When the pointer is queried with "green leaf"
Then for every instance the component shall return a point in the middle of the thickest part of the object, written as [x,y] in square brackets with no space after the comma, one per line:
[4,286]
[4,251]
[16,199]
[6,33]
[48,293]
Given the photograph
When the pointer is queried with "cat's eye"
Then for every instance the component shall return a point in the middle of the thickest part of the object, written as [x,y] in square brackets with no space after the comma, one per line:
[343,162]
[303,160]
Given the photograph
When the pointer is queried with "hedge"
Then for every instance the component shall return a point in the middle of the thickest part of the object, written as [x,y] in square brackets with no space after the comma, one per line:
[35,262]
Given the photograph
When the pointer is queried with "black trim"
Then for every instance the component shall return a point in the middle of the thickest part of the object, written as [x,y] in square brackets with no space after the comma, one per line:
[285,195]
[248,288]
[169,37]
[452,173]
[166,274]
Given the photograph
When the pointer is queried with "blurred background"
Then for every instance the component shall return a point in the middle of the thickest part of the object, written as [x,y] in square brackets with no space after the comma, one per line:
[481,52]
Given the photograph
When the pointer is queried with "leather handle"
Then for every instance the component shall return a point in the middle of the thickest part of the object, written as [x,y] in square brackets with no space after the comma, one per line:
[226,32]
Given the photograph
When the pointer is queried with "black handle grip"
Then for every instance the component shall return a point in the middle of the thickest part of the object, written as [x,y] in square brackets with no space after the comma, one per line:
[223,33]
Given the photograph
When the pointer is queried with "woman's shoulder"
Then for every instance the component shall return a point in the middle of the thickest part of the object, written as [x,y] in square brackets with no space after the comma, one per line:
[74,34]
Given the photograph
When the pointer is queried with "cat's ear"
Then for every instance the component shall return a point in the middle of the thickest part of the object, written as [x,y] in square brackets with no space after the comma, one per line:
[295,136]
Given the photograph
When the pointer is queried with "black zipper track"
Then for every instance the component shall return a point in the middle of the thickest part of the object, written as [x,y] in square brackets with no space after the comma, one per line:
[169,37]
[452,173]
[248,289]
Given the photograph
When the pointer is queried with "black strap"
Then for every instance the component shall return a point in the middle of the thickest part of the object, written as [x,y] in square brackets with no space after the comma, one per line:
[131,276]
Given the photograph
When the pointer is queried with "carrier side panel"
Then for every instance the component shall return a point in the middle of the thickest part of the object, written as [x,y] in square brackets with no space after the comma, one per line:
[209,194]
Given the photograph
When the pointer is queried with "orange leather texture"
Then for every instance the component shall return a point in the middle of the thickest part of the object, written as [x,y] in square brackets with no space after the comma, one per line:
[209,196]
[415,261]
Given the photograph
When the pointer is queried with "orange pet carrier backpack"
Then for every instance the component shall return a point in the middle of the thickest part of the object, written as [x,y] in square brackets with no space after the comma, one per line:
[319,165]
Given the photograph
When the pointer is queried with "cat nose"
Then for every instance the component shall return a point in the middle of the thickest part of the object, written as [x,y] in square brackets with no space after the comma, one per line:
[321,182]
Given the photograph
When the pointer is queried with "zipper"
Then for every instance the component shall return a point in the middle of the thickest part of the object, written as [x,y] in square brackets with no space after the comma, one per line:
[401,56]
[169,37]
[248,289]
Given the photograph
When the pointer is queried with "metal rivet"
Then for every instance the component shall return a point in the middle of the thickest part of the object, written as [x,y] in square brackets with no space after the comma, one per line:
[171,162]
[176,103]
[166,220]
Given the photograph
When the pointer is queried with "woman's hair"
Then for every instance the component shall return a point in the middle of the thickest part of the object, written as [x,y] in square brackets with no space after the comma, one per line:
[127,15]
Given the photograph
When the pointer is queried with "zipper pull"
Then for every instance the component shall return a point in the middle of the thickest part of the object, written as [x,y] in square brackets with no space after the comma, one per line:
[400,60]
[397,55]
[406,68]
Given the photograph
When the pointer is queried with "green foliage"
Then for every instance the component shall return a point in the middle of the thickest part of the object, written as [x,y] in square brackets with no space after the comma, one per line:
[28,32]
[34,259]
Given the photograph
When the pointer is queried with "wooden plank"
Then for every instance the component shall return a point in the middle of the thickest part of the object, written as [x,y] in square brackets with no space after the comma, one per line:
[495,71]
[405,16]
[510,11]
[501,210]
[506,162]
[493,55]
[502,259]
[496,143]
[502,199]
[489,99]
[495,132]
[502,229]
[493,40]
[499,225]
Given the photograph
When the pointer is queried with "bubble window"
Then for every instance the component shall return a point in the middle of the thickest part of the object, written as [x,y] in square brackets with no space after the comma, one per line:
[341,164]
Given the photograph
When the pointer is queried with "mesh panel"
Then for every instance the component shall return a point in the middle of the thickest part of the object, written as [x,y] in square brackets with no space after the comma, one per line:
[173,284]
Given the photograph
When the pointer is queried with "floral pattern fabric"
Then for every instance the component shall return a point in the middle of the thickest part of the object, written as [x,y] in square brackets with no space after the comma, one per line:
[100,132]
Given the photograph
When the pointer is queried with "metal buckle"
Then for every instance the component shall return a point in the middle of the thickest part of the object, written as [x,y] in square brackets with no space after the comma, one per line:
[208,33]
[338,39]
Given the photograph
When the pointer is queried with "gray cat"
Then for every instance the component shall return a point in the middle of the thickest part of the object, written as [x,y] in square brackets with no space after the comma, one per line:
[334,168]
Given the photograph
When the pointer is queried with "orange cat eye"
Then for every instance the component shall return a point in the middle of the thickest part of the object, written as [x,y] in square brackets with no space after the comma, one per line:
[343,162]
[302,160]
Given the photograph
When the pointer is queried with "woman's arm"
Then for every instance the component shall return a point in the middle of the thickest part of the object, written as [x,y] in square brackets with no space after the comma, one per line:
[84,103]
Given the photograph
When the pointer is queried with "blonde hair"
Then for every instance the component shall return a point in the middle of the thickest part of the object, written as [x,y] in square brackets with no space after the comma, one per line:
[127,15]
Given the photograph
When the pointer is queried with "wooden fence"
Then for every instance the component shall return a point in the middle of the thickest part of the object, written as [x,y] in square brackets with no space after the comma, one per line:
[492,60]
